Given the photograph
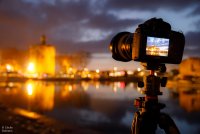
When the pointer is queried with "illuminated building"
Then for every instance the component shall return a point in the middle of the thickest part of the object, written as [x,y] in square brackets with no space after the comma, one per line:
[190,67]
[42,57]
[13,60]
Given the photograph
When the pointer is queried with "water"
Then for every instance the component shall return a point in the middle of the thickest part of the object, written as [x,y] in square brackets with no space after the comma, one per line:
[106,107]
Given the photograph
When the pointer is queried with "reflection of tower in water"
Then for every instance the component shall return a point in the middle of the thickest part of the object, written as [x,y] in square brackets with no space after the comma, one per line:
[188,95]
[190,99]
[40,95]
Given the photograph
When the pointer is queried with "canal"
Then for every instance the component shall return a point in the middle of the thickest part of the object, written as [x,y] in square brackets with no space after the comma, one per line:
[106,107]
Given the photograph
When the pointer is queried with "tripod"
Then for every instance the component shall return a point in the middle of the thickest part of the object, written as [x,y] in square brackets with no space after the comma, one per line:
[148,117]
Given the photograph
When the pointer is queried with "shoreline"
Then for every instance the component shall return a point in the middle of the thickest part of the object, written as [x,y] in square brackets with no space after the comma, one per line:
[57,79]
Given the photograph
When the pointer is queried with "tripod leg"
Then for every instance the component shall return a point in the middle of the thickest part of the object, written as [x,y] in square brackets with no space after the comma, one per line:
[166,123]
[144,123]
[135,124]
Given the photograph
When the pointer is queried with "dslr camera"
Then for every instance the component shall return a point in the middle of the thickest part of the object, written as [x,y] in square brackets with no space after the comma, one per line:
[152,42]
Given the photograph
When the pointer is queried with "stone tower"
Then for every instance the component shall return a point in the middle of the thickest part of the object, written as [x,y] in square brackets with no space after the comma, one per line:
[43,57]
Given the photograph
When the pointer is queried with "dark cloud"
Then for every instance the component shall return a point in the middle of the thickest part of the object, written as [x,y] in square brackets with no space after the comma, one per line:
[144,5]
[65,22]
[100,46]
[196,11]
[111,22]
[192,47]
[198,24]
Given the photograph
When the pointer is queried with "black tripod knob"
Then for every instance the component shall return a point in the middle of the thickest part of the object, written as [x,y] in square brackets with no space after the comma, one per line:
[140,84]
[163,81]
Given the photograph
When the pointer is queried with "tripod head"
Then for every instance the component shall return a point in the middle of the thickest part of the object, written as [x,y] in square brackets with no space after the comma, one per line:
[149,115]
[152,83]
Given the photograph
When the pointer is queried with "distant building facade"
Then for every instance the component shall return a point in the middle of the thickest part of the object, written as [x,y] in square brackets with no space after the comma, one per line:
[43,57]
[13,57]
[190,67]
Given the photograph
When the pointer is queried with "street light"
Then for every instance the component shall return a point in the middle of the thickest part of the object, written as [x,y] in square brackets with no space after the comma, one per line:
[9,67]
[31,67]
[115,68]
[138,69]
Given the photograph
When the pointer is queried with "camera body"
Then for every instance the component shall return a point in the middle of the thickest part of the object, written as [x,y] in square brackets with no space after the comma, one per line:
[153,41]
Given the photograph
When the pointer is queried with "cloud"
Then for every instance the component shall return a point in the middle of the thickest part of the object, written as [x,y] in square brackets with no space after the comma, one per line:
[152,5]
[83,24]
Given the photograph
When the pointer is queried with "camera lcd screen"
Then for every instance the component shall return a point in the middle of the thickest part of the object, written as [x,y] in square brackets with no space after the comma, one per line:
[157,46]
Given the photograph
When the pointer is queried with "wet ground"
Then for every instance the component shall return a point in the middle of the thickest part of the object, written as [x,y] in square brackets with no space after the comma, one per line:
[12,122]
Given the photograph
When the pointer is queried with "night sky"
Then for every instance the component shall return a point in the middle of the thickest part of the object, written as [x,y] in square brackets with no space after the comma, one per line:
[89,25]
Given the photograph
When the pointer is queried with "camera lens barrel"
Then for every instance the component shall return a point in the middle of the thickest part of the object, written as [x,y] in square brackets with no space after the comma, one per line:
[121,46]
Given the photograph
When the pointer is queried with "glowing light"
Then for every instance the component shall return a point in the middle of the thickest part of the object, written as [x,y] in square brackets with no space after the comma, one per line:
[139,89]
[115,68]
[114,89]
[122,85]
[70,69]
[97,85]
[70,88]
[85,69]
[9,67]
[88,75]
[111,74]
[26,113]
[31,67]
[85,86]
[66,91]
[138,69]
[10,84]
[97,71]
[130,72]
[29,89]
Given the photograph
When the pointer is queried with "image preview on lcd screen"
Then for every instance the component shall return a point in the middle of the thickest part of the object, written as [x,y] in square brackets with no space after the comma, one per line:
[157,46]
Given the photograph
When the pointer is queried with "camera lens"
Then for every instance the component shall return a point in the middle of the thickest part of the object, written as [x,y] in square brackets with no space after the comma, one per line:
[121,46]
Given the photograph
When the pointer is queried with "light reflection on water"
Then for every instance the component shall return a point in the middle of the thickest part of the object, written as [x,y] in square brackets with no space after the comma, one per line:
[96,105]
